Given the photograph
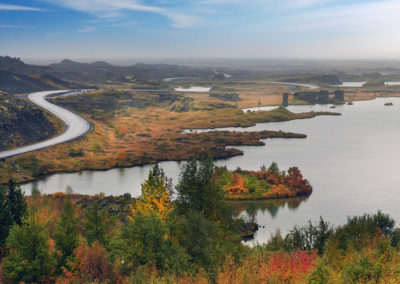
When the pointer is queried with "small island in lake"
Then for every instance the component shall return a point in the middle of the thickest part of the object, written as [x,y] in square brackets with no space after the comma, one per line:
[271,183]
[389,104]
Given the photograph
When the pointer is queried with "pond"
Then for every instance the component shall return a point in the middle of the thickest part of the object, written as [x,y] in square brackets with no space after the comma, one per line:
[352,162]
[351,84]
[394,83]
[193,89]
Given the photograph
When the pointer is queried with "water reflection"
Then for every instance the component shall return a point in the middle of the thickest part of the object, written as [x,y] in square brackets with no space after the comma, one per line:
[350,160]
[250,209]
[35,188]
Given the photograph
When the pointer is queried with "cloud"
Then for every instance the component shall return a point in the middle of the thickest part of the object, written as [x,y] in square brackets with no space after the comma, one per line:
[306,3]
[267,3]
[7,7]
[182,20]
[114,8]
[367,17]
[349,30]
[86,30]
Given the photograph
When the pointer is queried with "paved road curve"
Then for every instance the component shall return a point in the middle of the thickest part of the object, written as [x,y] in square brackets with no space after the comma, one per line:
[311,87]
[76,125]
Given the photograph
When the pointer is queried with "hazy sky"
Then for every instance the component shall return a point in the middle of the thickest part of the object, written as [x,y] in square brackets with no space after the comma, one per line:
[350,29]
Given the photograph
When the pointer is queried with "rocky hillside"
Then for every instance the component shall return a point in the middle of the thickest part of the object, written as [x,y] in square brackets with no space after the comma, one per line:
[16,77]
[22,123]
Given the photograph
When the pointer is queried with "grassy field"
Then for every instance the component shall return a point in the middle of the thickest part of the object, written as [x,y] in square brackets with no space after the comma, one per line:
[135,128]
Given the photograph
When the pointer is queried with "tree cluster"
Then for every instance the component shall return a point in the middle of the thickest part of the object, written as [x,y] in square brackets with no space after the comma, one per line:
[192,233]
[264,184]
[186,236]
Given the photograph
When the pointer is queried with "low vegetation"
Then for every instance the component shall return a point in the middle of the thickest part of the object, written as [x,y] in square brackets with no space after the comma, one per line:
[231,97]
[191,239]
[268,183]
[133,128]
[320,97]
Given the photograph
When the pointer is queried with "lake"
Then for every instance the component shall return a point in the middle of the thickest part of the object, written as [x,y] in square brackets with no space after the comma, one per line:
[360,84]
[392,83]
[352,162]
[351,84]
[193,89]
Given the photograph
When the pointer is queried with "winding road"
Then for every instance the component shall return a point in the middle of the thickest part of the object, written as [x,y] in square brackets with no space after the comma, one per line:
[310,86]
[76,125]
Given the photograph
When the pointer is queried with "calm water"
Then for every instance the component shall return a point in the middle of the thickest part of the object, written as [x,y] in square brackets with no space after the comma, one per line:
[352,162]
[351,84]
[392,83]
[360,84]
[194,89]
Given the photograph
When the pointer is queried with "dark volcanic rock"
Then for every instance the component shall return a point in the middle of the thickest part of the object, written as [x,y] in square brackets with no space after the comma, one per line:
[248,230]
[22,123]
[114,205]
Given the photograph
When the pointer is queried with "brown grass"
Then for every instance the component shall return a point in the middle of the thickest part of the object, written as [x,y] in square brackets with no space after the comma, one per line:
[134,136]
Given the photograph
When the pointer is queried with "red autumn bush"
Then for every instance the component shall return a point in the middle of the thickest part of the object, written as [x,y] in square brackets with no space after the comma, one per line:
[90,264]
[295,182]
[288,267]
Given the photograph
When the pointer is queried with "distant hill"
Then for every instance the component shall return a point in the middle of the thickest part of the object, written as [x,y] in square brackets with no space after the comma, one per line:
[22,123]
[18,83]
[100,72]
[18,77]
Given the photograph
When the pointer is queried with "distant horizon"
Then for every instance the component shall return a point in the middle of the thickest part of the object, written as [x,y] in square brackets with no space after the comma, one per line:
[204,60]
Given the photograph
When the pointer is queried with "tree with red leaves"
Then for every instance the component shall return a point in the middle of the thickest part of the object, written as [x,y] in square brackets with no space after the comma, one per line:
[90,264]
[295,181]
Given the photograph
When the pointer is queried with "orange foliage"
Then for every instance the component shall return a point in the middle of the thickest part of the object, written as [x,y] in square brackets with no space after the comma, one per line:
[121,155]
[279,191]
[122,130]
[238,180]
[237,190]
[280,267]
[90,264]
[58,195]
[279,185]
[49,206]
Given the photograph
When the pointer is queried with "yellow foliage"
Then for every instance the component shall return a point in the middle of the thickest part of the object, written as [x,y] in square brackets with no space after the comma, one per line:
[237,190]
[155,198]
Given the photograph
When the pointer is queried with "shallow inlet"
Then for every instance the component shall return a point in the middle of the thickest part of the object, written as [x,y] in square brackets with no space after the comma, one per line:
[392,83]
[350,160]
[193,89]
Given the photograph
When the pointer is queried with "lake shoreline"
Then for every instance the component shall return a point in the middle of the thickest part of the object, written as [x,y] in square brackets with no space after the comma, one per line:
[228,152]
[231,154]
[220,150]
